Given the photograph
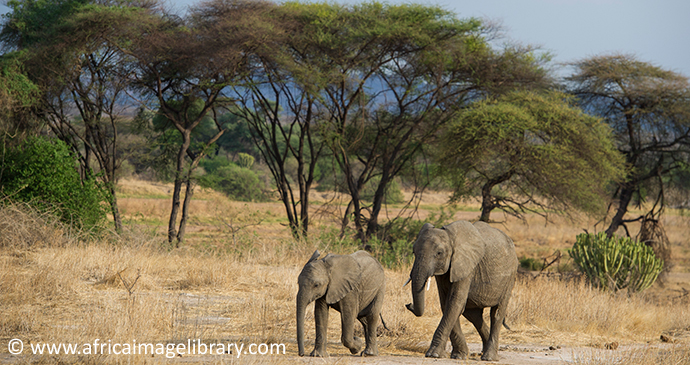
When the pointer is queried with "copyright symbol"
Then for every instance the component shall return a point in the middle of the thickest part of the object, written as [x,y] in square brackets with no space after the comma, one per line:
[15,346]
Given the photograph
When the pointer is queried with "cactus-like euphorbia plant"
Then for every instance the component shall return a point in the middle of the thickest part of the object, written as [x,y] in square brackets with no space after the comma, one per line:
[616,263]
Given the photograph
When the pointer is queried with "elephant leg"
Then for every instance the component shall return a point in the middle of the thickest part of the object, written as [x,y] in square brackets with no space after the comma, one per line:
[453,297]
[321,324]
[371,323]
[476,317]
[498,313]
[457,338]
[348,314]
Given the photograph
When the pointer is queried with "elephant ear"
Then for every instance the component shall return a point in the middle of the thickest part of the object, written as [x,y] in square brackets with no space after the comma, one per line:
[425,227]
[314,256]
[346,275]
[468,249]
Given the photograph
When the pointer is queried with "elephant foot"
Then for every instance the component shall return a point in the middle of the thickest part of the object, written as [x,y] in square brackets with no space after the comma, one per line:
[319,353]
[490,356]
[354,345]
[436,353]
[370,352]
[458,355]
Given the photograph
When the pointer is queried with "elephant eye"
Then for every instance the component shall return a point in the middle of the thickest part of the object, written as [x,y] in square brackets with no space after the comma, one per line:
[438,254]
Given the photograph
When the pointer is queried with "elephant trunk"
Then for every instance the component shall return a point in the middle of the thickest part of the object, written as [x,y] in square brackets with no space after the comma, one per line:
[419,278]
[301,308]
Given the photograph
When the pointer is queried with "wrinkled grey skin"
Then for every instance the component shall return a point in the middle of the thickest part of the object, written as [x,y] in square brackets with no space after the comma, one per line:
[475,267]
[353,285]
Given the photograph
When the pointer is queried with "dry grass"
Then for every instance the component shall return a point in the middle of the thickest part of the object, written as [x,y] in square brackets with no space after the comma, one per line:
[56,287]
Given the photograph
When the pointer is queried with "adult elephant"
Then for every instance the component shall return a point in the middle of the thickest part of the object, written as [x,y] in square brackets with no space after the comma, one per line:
[353,285]
[475,267]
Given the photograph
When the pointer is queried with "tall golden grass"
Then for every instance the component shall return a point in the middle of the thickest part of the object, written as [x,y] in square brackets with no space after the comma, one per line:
[59,286]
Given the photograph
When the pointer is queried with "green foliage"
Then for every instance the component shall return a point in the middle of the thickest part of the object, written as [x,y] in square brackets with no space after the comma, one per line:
[334,181]
[393,255]
[393,194]
[527,144]
[164,140]
[332,28]
[245,160]
[393,246]
[238,183]
[43,172]
[531,264]
[211,164]
[616,263]
[648,111]
[408,229]
[32,21]
[15,86]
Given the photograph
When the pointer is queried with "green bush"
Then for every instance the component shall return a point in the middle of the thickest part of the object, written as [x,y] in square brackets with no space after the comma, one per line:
[531,264]
[616,263]
[44,173]
[245,160]
[393,255]
[211,164]
[408,229]
[238,183]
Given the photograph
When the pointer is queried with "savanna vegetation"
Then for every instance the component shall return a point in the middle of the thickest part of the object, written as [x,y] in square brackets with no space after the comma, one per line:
[165,175]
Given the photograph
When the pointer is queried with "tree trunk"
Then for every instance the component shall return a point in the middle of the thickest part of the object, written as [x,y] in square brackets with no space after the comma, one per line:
[625,197]
[172,222]
[346,219]
[189,191]
[179,179]
[117,219]
[487,202]
[377,204]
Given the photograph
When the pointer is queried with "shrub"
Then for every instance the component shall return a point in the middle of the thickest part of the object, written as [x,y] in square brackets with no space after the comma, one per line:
[393,255]
[238,183]
[245,160]
[408,229]
[616,263]
[44,173]
[531,264]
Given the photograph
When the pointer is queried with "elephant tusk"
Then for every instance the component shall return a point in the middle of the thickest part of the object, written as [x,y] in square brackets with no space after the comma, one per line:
[428,284]
[407,282]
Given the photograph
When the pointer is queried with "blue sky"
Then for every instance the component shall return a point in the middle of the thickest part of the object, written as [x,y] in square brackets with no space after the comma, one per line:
[656,31]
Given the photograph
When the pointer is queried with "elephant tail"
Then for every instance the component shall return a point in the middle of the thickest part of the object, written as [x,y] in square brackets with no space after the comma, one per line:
[383,322]
[504,325]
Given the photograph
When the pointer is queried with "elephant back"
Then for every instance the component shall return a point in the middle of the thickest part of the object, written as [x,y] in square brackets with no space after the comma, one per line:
[499,245]
[373,275]
[370,266]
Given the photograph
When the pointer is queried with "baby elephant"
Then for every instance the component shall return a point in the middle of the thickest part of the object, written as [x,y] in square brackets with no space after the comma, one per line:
[351,284]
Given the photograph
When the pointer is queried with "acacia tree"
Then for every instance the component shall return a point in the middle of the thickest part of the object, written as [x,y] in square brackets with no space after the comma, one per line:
[72,54]
[528,151]
[279,101]
[17,93]
[394,75]
[353,54]
[648,109]
[186,64]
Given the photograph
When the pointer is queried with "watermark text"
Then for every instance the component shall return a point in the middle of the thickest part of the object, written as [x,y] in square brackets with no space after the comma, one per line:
[169,349]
